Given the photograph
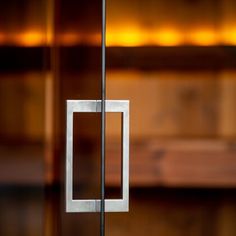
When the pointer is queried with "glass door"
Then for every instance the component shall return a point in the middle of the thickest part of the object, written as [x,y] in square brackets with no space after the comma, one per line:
[175,62]
[50,52]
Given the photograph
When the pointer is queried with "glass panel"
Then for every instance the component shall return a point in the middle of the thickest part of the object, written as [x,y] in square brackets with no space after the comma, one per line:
[22,98]
[50,52]
[76,74]
[174,61]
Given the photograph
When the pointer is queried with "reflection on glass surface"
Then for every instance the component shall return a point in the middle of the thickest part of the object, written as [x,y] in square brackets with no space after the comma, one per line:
[22,91]
[37,75]
[77,75]
[22,99]
[173,62]
[202,23]
[176,103]
[170,63]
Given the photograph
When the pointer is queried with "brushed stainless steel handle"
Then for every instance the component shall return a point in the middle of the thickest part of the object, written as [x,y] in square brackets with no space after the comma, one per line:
[93,205]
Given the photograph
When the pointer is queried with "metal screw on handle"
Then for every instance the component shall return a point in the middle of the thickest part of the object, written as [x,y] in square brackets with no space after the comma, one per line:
[93,205]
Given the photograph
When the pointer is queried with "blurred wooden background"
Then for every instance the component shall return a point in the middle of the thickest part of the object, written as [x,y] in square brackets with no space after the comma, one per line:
[175,61]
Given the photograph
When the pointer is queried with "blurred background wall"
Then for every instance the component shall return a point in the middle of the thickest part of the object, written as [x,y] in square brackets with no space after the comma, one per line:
[175,61]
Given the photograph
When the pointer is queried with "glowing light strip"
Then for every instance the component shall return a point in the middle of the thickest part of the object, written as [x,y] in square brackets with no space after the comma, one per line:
[166,37]
[126,38]
[204,38]
[26,39]
[229,36]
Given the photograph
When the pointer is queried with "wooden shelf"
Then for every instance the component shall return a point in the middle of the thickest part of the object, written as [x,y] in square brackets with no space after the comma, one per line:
[175,163]
[22,165]
[144,58]
[21,59]
[172,58]
[153,163]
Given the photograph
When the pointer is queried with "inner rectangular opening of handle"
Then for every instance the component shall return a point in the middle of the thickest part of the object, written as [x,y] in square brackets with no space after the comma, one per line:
[86,150]
[113,155]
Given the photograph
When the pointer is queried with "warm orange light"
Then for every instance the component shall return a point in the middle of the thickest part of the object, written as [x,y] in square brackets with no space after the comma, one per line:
[133,37]
[167,37]
[203,37]
[30,39]
[127,38]
[3,38]
[49,38]
[92,39]
[69,39]
[72,39]
[229,36]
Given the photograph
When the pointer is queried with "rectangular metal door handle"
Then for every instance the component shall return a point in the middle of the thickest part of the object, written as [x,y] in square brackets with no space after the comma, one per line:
[93,205]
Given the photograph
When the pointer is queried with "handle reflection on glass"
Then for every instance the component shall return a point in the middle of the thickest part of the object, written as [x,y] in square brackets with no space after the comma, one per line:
[93,205]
